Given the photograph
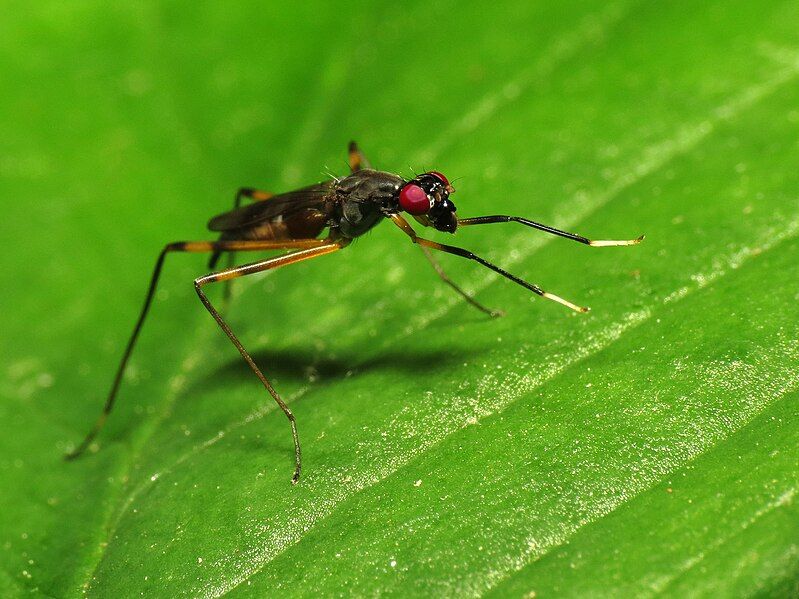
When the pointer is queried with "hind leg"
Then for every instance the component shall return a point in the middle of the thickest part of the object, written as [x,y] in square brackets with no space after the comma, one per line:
[321,249]
[303,246]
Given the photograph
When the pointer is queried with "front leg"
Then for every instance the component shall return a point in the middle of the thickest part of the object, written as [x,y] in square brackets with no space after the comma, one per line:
[501,218]
[451,249]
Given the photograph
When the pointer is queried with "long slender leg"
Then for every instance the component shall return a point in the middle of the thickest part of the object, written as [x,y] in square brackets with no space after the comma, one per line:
[356,158]
[450,249]
[484,220]
[182,246]
[456,287]
[248,269]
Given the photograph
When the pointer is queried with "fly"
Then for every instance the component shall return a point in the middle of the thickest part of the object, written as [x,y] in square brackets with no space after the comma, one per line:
[347,208]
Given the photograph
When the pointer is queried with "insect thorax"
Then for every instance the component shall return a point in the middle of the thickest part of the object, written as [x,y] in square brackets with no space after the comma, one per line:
[364,196]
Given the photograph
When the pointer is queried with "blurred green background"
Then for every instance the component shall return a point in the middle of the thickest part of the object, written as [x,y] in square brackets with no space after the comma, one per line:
[647,448]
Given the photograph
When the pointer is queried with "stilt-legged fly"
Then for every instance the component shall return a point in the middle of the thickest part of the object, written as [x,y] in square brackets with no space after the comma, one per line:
[347,208]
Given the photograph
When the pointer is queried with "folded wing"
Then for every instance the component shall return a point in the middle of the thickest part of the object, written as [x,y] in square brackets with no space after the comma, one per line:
[284,205]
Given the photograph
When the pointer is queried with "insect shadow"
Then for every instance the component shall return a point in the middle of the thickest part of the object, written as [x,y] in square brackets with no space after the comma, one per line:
[306,365]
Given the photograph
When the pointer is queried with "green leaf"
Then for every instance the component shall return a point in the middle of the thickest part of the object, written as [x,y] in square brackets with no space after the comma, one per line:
[649,447]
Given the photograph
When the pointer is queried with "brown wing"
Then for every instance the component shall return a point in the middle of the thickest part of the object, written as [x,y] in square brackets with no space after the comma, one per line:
[282,205]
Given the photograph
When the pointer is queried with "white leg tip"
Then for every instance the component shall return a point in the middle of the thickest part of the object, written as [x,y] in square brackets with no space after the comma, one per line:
[567,303]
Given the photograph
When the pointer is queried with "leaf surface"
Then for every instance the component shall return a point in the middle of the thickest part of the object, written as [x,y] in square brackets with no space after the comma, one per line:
[646,448]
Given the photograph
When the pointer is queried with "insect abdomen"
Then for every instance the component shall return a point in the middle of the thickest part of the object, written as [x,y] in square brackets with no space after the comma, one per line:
[306,224]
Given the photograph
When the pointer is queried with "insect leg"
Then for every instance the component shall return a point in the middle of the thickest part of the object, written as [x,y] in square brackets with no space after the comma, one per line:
[483,220]
[357,159]
[450,249]
[248,269]
[182,246]
[456,287]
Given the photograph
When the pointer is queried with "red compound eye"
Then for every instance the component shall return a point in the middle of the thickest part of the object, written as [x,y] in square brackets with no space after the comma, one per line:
[441,177]
[414,200]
